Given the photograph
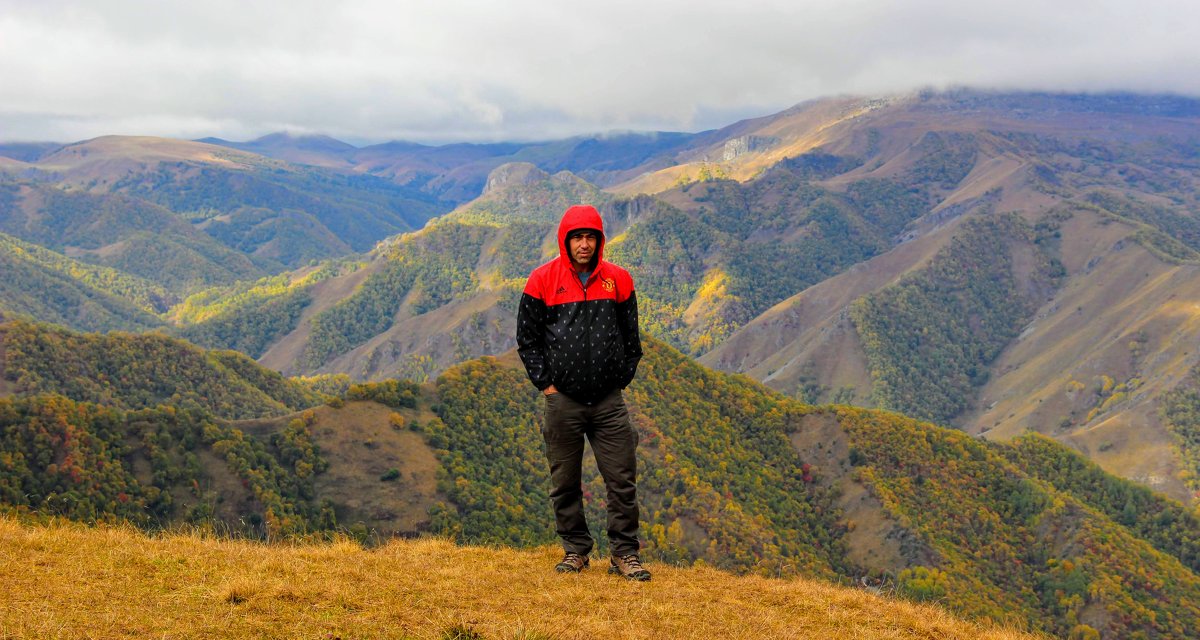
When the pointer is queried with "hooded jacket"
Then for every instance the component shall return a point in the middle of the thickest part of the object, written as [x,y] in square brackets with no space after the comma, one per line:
[582,338]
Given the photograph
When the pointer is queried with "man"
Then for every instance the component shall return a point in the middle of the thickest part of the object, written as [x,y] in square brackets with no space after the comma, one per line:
[577,333]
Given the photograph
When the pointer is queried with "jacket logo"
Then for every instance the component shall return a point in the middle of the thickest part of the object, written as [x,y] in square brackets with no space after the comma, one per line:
[609,284]
[561,290]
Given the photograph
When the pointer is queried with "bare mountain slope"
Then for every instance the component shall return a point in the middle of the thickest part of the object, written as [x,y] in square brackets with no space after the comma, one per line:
[888,127]
[1111,187]
[808,340]
[282,354]
[1091,368]
[364,442]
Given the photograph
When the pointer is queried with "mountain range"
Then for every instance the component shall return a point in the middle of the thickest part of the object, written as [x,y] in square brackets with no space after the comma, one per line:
[1020,267]
[809,248]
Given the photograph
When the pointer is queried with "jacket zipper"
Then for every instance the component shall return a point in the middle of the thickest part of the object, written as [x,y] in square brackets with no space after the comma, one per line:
[587,325]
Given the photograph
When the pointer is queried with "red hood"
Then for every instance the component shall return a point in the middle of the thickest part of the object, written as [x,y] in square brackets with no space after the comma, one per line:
[580,216]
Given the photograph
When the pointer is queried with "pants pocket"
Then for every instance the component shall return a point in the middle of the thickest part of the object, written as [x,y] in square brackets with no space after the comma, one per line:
[550,412]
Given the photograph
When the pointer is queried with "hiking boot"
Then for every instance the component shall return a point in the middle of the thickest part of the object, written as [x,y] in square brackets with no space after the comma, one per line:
[629,567]
[571,563]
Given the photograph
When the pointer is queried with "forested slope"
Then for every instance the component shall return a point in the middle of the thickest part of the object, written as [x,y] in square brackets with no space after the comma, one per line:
[731,473]
[133,236]
[931,337]
[43,285]
[747,480]
[128,371]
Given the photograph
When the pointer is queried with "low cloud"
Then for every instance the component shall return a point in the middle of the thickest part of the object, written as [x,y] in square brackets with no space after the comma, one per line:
[367,70]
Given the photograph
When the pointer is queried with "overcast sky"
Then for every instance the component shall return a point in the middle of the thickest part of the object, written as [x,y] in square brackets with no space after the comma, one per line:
[450,70]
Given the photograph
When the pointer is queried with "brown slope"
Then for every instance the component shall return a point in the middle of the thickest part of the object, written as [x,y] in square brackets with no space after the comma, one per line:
[362,442]
[748,147]
[111,157]
[1124,314]
[809,338]
[461,330]
[875,540]
[885,127]
[284,354]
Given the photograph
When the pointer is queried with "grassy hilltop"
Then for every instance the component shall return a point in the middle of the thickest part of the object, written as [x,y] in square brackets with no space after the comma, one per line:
[733,476]
[69,581]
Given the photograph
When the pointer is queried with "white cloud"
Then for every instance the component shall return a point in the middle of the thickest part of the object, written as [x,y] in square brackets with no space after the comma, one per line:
[371,70]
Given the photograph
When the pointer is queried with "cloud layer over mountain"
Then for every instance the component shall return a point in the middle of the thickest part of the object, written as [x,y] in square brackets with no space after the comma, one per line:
[371,70]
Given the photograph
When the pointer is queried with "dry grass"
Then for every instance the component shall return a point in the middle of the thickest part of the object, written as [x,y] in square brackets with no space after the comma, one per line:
[70,581]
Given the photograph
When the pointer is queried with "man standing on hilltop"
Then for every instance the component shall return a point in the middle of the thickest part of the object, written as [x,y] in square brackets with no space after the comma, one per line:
[577,333]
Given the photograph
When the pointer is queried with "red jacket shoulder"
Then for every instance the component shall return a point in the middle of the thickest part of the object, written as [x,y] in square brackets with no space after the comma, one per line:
[534,286]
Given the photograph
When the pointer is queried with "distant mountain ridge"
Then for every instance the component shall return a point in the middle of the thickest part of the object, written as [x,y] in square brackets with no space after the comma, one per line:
[458,172]
[277,215]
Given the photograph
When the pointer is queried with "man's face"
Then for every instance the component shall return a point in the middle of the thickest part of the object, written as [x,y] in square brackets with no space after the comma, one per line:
[582,247]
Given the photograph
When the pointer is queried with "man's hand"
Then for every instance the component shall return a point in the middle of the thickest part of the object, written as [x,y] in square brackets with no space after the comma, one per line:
[550,390]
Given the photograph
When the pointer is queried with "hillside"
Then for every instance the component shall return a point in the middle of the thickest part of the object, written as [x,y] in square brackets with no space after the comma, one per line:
[815,250]
[254,316]
[430,299]
[59,581]
[128,371]
[272,213]
[41,284]
[732,474]
[133,236]
[145,429]
[927,328]
[1115,210]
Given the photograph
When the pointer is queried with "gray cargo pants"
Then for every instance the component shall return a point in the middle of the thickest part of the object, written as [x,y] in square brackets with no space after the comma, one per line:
[614,442]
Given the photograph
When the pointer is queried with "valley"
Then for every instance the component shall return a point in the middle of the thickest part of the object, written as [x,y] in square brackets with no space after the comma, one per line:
[944,340]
